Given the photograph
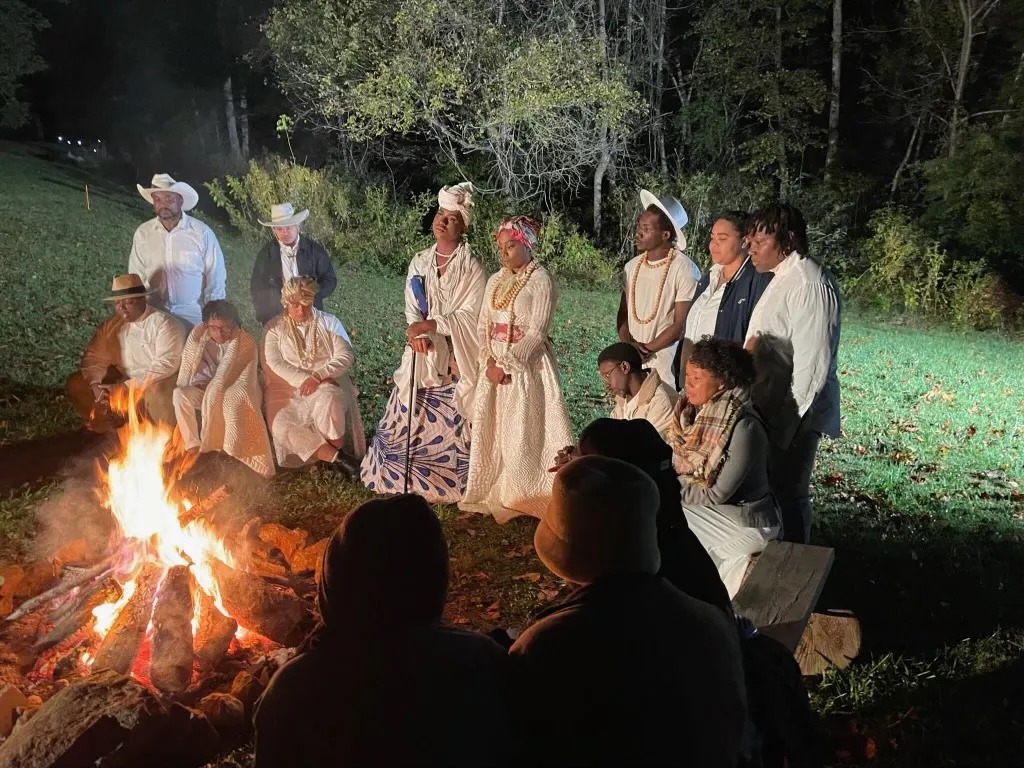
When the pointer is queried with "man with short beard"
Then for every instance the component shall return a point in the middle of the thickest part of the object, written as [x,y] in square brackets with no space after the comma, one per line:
[177,255]
[138,347]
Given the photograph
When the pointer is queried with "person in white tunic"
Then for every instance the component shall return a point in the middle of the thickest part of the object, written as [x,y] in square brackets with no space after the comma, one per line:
[639,393]
[519,417]
[443,294]
[218,401]
[177,256]
[138,348]
[310,399]
[801,308]
[659,285]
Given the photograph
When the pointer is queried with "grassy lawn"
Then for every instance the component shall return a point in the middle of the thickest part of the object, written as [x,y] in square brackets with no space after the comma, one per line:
[920,498]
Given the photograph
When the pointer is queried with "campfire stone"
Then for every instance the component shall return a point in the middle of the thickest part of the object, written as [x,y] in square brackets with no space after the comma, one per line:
[110,721]
[247,689]
[225,712]
[10,699]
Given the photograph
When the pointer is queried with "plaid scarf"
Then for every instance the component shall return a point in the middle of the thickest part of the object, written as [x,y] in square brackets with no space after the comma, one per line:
[698,437]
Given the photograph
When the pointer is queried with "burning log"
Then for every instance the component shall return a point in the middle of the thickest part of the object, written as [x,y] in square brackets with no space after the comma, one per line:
[170,668]
[121,644]
[98,571]
[206,505]
[272,612]
[213,635]
[79,613]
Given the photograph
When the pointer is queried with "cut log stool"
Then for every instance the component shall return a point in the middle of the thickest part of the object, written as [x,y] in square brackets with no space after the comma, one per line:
[779,595]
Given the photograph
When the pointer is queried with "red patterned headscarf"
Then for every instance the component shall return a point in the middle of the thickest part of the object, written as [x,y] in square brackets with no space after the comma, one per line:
[522,229]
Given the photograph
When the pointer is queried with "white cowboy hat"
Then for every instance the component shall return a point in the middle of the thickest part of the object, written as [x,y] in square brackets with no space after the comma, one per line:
[127,287]
[672,208]
[162,182]
[284,215]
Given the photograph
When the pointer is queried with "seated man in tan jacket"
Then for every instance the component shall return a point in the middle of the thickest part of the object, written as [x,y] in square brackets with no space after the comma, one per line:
[139,346]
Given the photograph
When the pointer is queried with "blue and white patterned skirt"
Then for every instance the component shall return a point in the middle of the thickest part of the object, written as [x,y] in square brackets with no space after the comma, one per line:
[439,451]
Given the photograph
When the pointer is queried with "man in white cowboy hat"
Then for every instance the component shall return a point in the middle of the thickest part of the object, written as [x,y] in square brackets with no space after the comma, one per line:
[290,254]
[628,669]
[139,346]
[659,284]
[177,255]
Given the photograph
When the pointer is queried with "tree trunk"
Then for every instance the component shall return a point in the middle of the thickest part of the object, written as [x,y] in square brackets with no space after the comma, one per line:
[659,79]
[229,113]
[780,143]
[837,69]
[906,157]
[599,172]
[963,64]
[243,104]
[1012,102]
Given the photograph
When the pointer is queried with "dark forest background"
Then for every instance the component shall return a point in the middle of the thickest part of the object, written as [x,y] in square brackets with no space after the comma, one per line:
[895,125]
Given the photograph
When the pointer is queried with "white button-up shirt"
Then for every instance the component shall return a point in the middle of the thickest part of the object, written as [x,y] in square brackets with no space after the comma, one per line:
[184,267]
[151,346]
[289,260]
[802,306]
[702,318]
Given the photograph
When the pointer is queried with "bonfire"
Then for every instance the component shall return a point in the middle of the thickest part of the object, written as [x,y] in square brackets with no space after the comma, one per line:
[169,598]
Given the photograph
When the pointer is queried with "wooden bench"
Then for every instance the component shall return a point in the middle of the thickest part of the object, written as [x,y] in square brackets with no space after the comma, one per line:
[778,596]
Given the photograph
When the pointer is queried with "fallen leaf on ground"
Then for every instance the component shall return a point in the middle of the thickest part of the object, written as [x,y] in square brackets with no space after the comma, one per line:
[531,577]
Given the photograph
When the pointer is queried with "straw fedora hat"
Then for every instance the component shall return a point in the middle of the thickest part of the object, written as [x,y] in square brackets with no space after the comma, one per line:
[672,208]
[127,287]
[601,520]
[162,182]
[284,215]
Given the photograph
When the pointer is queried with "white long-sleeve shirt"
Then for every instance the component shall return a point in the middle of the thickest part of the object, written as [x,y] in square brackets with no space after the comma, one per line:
[802,305]
[184,267]
[149,348]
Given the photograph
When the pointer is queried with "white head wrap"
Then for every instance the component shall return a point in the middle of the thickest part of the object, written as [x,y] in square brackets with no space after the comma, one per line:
[458,197]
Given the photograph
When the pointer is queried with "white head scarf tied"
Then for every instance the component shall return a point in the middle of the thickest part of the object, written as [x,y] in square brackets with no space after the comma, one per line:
[458,197]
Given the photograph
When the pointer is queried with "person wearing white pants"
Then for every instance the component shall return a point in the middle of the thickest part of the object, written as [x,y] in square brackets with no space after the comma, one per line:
[720,449]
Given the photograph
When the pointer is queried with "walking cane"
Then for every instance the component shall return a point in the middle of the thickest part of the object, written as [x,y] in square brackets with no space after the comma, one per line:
[417,284]
[408,433]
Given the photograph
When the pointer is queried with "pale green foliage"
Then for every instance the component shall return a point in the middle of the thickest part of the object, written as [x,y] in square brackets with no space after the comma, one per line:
[745,108]
[910,272]
[529,102]
[18,25]
[364,225]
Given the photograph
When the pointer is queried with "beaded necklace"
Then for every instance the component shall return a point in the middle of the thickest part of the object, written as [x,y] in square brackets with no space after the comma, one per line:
[305,344]
[513,285]
[663,265]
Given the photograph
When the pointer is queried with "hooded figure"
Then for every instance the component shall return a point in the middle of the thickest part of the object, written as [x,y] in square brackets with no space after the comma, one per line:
[627,670]
[684,561]
[382,681]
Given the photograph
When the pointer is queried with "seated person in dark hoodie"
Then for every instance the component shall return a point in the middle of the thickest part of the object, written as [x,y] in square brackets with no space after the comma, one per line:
[383,682]
[628,670]
[684,561]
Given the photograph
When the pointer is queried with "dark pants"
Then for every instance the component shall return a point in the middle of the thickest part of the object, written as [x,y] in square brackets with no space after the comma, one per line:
[789,476]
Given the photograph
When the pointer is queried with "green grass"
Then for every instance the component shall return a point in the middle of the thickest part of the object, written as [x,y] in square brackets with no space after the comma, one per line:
[920,498]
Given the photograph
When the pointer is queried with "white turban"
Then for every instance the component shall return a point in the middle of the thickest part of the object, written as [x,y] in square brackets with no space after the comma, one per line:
[458,197]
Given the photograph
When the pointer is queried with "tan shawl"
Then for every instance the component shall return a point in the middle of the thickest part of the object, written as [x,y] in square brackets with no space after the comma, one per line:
[232,415]
[699,436]
[454,302]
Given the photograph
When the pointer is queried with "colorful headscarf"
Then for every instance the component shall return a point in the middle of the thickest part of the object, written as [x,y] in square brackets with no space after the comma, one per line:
[522,229]
[458,197]
[300,290]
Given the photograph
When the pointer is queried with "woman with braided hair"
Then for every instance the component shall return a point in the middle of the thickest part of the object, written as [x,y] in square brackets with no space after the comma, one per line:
[519,416]
[310,399]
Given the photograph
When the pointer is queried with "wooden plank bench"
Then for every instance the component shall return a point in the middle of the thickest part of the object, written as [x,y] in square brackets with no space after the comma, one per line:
[778,596]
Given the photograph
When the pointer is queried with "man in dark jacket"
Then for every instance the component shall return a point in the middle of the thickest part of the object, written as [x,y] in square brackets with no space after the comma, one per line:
[289,254]
[628,670]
